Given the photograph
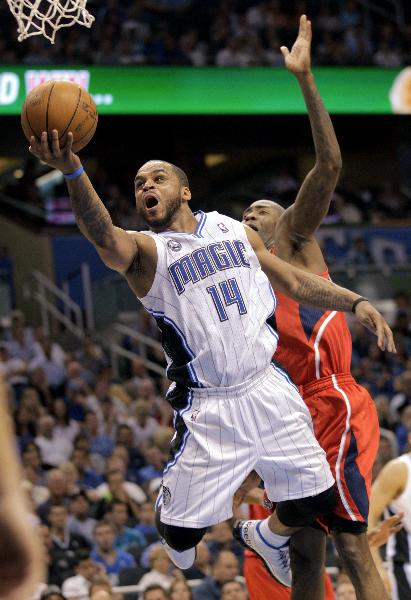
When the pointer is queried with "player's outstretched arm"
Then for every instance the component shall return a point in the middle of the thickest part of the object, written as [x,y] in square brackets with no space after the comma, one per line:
[313,290]
[116,247]
[313,200]
[21,556]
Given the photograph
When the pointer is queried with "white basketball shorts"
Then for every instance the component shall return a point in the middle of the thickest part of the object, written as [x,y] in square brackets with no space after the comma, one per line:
[222,434]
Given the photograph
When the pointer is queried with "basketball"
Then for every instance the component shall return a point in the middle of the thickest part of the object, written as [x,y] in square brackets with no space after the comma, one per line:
[61,105]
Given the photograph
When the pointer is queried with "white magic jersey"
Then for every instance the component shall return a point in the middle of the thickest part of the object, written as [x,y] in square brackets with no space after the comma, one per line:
[211,301]
[399,544]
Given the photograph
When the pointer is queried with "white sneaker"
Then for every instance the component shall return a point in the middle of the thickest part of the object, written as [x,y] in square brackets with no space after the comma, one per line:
[182,560]
[276,560]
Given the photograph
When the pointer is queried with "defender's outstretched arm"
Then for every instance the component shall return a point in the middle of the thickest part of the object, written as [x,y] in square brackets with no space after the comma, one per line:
[313,290]
[313,200]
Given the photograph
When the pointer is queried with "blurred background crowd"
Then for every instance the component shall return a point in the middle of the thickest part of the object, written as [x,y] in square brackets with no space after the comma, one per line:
[219,33]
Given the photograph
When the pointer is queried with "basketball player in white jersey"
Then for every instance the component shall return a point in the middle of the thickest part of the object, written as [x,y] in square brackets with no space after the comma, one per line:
[391,492]
[207,280]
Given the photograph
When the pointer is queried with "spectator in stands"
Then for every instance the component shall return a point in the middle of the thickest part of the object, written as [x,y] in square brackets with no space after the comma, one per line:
[154,592]
[117,488]
[64,544]
[201,566]
[159,573]
[20,342]
[54,450]
[57,488]
[106,555]
[88,478]
[125,438]
[125,536]
[100,443]
[156,461]
[100,584]
[79,520]
[344,588]
[13,370]
[224,568]
[233,590]
[86,570]
[144,426]
[65,428]
[52,592]
[221,538]
[403,428]
[146,522]
[180,590]
[50,357]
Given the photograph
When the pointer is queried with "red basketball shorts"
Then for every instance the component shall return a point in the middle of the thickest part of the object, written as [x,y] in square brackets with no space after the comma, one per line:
[346,427]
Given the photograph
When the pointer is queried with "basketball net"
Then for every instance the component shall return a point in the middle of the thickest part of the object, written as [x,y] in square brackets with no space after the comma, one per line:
[46,17]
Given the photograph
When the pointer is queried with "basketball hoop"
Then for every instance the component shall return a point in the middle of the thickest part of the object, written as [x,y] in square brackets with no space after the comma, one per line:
[45,17]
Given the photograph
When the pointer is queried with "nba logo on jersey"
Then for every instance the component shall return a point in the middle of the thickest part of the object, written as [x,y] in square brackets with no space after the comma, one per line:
[223,227]
[174,245]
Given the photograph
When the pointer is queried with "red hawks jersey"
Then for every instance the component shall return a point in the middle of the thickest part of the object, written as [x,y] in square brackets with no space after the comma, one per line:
[314,343]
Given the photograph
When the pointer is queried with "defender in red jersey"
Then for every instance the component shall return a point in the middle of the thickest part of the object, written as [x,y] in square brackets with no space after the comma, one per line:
[315,350]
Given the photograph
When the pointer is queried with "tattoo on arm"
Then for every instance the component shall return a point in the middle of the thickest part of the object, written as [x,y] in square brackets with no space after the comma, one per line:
[91,215]
[316,291]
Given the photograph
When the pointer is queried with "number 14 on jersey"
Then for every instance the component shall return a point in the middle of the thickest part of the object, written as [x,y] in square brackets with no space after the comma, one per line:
[228,294]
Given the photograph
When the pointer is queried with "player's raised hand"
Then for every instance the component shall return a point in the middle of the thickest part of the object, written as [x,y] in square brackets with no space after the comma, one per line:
[298,61]
[50,152]
[369,316]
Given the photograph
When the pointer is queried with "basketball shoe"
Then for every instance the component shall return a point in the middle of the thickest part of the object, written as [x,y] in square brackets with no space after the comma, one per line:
[275,559]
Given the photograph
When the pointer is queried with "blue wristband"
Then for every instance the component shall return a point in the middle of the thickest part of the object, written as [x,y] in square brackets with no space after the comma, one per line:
[75,173]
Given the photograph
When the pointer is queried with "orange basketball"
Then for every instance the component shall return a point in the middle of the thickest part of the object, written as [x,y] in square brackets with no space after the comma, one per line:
[61,105]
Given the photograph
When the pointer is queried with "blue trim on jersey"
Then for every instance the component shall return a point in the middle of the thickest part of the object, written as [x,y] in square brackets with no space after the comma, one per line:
[159,499]
[194,379]
[354,479]
[201,222]
[272,331]
[197,232]
[285,375]
[180,451]
[274,298]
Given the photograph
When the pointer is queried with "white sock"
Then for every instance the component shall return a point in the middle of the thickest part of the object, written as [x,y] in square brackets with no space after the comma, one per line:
[272,538]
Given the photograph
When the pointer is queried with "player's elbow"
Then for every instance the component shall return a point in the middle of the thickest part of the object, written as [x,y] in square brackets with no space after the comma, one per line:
[332,166]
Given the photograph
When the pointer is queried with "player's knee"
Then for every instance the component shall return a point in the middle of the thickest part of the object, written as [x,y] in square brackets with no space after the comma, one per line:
[304,511]
[355,553]
[179,538]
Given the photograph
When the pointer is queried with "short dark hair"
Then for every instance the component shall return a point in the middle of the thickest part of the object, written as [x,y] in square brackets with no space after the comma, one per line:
[56,504]
[152,588]
[80,555]
[181,175]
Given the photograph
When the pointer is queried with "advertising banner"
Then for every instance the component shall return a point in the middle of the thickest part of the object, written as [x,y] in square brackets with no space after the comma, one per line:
[212,90]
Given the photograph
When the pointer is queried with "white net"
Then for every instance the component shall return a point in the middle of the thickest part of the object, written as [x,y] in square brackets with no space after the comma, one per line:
[46,17]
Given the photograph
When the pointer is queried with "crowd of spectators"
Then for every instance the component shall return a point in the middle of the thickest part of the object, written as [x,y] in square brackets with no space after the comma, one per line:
[93,449]
[217,32]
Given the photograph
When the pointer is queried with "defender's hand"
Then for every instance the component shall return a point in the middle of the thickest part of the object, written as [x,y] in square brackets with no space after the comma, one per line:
[244,492]
[298,61]
[369,316]
[50,152]
[378,536]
